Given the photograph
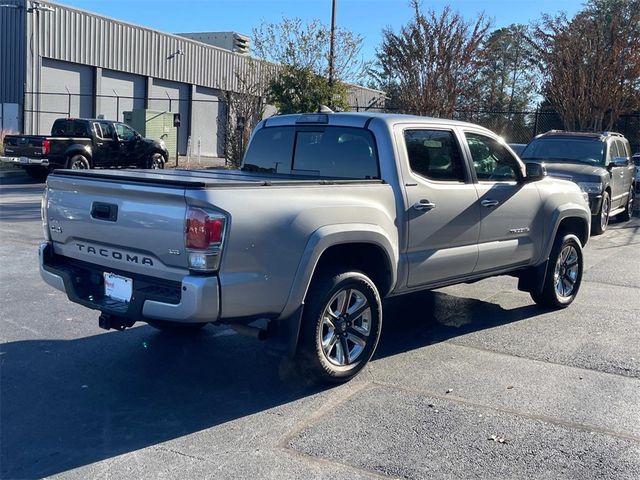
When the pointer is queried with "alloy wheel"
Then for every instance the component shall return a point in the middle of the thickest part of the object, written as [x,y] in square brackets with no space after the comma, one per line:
[346,325]
[604,216]
[566,271]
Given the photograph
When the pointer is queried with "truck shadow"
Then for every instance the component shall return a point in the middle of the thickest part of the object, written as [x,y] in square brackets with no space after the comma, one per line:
[69,403]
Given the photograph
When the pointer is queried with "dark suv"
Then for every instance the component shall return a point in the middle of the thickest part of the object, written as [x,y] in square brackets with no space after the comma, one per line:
[598,162]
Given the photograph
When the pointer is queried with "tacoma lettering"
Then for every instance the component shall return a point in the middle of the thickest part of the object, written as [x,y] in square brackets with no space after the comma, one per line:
[104,252]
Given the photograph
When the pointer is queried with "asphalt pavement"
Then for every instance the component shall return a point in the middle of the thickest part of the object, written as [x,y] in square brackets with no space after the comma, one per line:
[469,381]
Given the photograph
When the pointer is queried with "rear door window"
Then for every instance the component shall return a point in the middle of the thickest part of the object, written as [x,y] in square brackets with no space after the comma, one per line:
[434,154]
[107,130]
[339,152]
[622,148]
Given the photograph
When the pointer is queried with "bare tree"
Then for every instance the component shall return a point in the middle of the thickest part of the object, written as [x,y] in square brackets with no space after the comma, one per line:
[305,46]
[245,105]
[430,66]
[302,49]
[591,63]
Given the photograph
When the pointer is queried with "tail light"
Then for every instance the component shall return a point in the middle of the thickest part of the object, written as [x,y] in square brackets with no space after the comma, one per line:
[204,236]
[44,203]
[46,147]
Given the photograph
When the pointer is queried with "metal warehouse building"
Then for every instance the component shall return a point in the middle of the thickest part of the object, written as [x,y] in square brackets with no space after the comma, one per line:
[59,61]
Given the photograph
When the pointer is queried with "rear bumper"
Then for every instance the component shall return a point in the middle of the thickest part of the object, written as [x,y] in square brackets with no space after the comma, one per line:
[25,161]
[193,300]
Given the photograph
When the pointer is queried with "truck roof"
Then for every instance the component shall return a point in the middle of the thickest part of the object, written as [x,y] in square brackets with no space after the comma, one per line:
[586,135]
[359,119]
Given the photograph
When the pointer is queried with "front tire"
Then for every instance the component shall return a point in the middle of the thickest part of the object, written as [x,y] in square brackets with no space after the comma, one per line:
[155,162]
[564,274]
[601,220]
[341,326]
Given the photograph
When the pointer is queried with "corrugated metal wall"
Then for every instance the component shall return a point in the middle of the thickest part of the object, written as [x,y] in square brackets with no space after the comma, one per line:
[119,92]
[58,79]
[207,114]
[172,97]
[76,36]
[13,52]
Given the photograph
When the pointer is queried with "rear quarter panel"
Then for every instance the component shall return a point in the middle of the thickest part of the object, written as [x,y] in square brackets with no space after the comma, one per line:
[272,230]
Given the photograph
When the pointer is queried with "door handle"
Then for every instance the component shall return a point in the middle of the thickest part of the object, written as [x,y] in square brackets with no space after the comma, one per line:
[489,203]
[424,205]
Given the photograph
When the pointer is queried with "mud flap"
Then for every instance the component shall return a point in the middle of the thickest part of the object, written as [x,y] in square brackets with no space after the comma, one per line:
[282,335]
[532,280]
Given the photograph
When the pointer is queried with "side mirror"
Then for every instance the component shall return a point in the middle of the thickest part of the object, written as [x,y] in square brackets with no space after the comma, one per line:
[534,171]
[619,162]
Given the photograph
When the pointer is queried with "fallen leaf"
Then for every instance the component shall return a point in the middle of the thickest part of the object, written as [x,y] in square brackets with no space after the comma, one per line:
[498,439]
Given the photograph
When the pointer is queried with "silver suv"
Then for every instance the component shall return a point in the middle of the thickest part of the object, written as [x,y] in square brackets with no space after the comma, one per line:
[600,163]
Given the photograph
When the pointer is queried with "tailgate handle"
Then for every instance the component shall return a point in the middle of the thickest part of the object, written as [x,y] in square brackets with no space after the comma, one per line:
[104,211]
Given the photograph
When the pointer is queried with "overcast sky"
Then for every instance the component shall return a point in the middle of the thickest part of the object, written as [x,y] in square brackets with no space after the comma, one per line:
[366,17]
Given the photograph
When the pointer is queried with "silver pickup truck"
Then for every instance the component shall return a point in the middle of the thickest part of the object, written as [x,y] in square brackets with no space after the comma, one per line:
[329,214]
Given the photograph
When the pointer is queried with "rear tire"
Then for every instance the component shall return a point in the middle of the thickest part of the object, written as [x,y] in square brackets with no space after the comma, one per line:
[78,162]
[176,327]
[564,274]
[341,326]
[37,173]
[601,220]
[628,209]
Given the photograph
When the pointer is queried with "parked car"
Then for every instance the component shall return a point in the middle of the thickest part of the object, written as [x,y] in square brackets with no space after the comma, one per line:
[80,144]
[329,214]
[598,162]
[517,147]
[636,162]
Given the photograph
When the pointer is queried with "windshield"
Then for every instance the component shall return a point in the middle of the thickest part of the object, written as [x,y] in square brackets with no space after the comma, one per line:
[339,152]
[584,150]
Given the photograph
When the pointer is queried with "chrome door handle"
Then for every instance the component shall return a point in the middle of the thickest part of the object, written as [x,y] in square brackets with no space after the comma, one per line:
[424,205]
[489,203]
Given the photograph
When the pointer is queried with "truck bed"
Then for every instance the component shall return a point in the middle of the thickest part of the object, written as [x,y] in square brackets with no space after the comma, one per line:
[199,179]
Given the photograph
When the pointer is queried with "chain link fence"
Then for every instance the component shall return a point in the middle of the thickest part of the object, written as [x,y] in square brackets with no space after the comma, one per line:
[514,127]
[522,127]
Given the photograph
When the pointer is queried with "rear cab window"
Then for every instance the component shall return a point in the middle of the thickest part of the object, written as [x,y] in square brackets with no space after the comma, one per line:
[67,127]
[317,151]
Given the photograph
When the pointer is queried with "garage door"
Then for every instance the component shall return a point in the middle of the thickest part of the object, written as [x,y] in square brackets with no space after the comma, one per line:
[165,96]
[65,89]
[207,121]
[119,92]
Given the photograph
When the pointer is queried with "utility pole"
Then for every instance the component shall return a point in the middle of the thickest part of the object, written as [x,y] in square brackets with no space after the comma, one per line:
[331,49]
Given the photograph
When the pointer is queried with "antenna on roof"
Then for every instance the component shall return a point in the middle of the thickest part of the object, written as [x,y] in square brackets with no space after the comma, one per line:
[324,109]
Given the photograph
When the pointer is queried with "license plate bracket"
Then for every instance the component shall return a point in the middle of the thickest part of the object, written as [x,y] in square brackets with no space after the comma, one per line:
[117,287]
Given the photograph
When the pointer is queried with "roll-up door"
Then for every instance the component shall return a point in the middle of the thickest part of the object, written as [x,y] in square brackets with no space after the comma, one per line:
[119,92]
[66,89]
[207,122]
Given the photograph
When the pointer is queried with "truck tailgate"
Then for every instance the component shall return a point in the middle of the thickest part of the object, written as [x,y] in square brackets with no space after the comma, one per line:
[123,226]
[23,145]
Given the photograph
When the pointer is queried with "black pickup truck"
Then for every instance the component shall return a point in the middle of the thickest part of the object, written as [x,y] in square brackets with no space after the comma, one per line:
[79,143]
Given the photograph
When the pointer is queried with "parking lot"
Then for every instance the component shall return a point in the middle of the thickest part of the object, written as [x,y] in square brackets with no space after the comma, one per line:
[471,381]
